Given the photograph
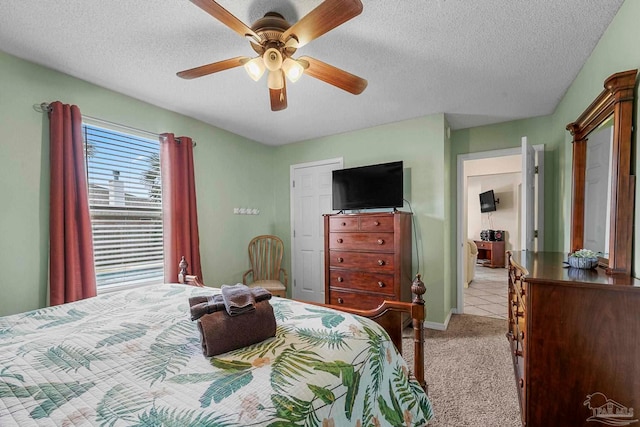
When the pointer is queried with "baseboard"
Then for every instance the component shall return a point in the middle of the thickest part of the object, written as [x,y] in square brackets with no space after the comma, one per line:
[440,326]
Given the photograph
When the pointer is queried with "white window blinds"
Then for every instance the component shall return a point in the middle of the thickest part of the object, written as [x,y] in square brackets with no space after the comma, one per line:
[125,202]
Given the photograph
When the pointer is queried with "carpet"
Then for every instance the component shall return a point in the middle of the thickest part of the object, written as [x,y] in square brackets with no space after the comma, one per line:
[469,372]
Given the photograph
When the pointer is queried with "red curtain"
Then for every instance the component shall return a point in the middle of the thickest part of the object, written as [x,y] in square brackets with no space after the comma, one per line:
[72,274]
[180,217]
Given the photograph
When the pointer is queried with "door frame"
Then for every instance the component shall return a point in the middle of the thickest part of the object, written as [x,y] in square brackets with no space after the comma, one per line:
[292,169]
[461,233]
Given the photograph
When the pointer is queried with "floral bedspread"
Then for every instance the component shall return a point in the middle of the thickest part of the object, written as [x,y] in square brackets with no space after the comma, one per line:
[133,358]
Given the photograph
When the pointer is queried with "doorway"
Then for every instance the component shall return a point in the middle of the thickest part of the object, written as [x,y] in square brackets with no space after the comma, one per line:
[490,293]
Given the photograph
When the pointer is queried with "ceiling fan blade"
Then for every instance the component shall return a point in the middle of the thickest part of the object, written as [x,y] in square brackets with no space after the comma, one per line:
[203,70]
[278,98]
[328,15]
[334,76]
[224,16]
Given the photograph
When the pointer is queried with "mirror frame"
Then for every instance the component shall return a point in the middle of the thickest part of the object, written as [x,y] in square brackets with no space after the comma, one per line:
[616,99]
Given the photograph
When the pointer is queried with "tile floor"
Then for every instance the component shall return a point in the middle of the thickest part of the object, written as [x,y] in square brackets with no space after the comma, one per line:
[487,293]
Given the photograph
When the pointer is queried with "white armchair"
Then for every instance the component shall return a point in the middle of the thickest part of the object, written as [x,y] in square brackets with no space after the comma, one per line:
[471,257]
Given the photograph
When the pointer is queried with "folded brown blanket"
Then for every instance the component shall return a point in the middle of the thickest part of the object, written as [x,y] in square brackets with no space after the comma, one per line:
[238,299]
[220,333]
[202,305]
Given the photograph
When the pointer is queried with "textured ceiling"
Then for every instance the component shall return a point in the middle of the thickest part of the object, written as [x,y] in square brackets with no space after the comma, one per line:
[479,62]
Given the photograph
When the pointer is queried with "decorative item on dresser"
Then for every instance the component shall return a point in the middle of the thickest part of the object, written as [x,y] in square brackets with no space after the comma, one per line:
[367,258]
[573,335]
[492,253]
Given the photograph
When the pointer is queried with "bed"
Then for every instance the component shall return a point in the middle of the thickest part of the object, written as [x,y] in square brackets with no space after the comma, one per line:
[133,358]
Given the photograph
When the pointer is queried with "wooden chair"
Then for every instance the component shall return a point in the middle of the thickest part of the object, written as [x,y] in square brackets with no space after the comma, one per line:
[265,257]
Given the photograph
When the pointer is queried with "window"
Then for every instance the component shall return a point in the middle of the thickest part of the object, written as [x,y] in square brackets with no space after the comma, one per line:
[125,203]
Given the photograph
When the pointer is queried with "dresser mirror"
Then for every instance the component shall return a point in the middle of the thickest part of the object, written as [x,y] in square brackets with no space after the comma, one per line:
[597,191]
[603,188]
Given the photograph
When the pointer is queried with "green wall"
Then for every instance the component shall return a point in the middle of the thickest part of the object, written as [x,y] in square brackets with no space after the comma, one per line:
[420,143]
[618,50]
[231,171]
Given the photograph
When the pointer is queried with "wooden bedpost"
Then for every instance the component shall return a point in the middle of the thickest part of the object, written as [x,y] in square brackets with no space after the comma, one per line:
[182,270]
[417,314]
[185,278]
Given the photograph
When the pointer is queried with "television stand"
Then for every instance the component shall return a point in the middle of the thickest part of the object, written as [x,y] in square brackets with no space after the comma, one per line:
[491,253]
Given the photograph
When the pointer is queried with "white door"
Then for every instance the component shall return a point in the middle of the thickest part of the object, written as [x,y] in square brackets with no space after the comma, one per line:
[310,198]
[539,219]
[597,190]
[528,195]
[532,197]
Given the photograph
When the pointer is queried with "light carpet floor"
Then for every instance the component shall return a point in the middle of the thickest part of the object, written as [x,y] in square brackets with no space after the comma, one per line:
[469,372]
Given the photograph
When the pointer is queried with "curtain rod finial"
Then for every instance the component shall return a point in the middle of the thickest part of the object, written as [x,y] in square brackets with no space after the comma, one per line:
[42,107]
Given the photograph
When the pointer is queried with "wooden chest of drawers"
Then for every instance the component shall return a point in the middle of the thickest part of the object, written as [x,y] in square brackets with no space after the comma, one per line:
[574,342]
[367,258]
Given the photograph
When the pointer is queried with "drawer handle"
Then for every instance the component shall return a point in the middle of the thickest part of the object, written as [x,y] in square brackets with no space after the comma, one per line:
[521,382]
[340,259]
[381,241]
[344,224]
[521,336]
[517,353]
[381,262]
[340,279]
[376,223]
[380,284]
[339,240]
[340,301]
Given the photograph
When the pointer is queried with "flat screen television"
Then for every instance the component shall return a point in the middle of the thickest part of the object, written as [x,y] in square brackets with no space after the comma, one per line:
[487,201]
[368,187]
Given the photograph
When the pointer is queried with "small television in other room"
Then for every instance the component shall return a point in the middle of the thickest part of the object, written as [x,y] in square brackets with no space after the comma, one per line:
[487,201]
[368,187]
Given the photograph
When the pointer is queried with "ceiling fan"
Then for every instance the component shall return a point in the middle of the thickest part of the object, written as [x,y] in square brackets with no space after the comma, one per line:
[275,41]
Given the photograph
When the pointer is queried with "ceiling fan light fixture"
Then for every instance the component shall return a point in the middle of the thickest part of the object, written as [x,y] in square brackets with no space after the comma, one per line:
[292,42]
[292,69]
[255,68]
[272,59]
[276,80]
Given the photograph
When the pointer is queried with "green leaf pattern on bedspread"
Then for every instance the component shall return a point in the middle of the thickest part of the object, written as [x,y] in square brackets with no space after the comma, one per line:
[133,358]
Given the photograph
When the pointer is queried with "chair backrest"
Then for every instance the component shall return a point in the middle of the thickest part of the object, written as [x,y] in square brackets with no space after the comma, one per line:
[265,256]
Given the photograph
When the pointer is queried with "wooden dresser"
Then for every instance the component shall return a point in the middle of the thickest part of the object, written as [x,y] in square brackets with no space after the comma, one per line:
[367,258]
[491,251]
[575,343]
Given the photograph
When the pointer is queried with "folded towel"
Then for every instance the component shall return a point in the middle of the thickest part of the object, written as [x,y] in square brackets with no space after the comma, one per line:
[259,294]
[220,333]
[201,305]
[211,305]
[238,299]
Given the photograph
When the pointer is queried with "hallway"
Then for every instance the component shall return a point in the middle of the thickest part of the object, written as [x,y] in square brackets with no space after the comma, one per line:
[487,293]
